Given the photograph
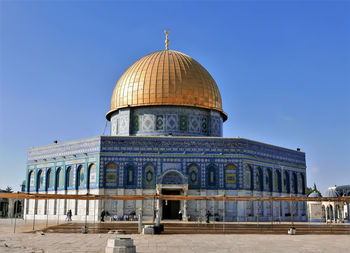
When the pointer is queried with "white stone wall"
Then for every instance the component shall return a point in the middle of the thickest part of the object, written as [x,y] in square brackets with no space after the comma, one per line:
[196,209]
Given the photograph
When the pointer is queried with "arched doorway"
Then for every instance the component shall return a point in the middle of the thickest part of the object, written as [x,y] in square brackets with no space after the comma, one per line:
[171,208]
[172,183]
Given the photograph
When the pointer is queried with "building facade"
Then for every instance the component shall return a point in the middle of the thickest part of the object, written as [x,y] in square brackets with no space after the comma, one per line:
[330,211]
[166,137]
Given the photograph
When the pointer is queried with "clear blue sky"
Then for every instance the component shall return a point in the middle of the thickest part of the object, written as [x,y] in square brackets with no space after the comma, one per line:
[282,68]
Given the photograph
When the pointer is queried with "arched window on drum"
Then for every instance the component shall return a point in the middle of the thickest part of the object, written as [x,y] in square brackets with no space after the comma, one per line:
[40,181]
[193,177]
[248,175]
[111,176]
[149,181]
[92,176]
[212,175]
[69,177]
[31,181]
[230,176]
[80,177]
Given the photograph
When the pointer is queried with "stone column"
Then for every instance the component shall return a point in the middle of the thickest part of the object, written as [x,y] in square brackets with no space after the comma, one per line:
[139,203]
[11,208]
[184,218]
[158,212]
[334,214]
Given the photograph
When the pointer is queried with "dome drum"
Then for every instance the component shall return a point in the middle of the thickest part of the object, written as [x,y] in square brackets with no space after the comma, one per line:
[165,121]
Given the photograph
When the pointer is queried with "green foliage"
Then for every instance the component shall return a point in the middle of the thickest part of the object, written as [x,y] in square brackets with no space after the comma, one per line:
[309,190]
[8,189]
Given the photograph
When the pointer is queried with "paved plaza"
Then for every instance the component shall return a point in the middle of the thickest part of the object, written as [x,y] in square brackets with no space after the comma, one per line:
[25,242]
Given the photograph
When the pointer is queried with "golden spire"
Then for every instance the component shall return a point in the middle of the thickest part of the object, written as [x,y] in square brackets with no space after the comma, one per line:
[166,31]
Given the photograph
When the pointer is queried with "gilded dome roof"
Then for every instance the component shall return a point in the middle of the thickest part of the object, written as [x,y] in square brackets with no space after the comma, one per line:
[166,77]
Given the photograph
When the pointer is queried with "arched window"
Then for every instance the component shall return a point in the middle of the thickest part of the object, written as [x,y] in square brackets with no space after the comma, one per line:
[31,181]
[149,181]
[49,179]
[69,177]
[111,177]
[302,183]
[294,183]
[92,176]
[40,181]
[230,176]
[193,177]
[268,180]
[277,181]
[59,178]
[259,181]
[286,182]
[130,177]
[248,177]
[80,177]
[212,175]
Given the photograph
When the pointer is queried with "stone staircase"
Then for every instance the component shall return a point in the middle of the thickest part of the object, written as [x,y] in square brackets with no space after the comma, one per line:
[201,228]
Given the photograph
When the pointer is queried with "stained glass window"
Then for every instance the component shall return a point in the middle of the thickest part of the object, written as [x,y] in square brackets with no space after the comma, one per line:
[69,177]
[286,182]
[248,177]
[230,176]
[59,178]
[49,178]
[149,177]
[111,175]
[130,175]
[258,180]
[211,175]
[80,175]
[40,181]
[277,181]
[92,176]
[193,176]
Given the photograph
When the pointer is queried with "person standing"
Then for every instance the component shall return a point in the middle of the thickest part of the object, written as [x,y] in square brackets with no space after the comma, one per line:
[208,214]
[103,214]
[180,215]
[69,215]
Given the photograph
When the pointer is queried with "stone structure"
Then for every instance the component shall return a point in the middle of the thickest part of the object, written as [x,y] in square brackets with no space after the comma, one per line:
[166,137]
[10,208]
[330,211]
[120,245]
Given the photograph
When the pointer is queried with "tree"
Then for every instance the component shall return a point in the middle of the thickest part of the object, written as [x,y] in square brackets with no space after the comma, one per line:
[8,189]
[309,190]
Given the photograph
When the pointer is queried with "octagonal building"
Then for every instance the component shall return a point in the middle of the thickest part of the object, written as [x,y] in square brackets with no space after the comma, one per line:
[166,121]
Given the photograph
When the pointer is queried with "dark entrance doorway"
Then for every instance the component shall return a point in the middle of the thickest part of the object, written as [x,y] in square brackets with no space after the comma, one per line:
[171,208]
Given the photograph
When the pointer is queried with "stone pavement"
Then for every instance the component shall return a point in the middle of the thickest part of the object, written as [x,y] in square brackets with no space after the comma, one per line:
[25,243]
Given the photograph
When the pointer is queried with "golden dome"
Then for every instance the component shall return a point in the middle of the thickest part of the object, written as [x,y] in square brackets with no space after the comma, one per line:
[166,77]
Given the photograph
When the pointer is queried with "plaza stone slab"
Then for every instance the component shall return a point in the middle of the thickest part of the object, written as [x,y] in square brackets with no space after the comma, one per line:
[203,243]
[120,245]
